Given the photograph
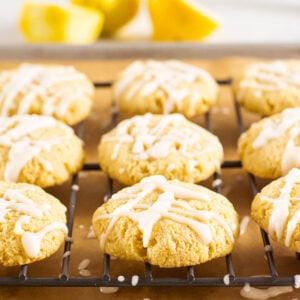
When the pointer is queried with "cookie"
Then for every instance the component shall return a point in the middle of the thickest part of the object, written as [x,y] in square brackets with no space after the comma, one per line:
[168,145]
[270,87]
[54,90]
[38,150]
[164,87]
[166,223]
[276,209]
[270,148]
[32,224]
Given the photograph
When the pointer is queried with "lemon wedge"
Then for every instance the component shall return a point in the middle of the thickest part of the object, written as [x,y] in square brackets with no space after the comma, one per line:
[175,20]
[117,12]
[71,24]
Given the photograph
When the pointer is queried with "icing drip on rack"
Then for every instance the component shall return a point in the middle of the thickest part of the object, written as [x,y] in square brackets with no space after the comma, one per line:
[280,216]
[17,134]
[49,84]
[288,120]
[170,204]
[155,139]
[164,78]
[16,200]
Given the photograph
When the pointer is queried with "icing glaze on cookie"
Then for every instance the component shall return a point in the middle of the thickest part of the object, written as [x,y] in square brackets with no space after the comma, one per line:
[288,120]
[17,133]
[280,212]
[170,204]
[271,76]
[152,139]
[163,77]
[30,81]
[16,200]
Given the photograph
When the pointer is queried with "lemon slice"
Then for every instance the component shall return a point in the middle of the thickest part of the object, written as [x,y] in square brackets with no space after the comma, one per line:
[53,23]
[180,20]
[117,12]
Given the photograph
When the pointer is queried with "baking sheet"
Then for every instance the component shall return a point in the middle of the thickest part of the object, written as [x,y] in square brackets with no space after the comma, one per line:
[248,255]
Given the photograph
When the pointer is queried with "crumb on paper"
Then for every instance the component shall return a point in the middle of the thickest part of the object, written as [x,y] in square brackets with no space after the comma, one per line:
[108,290]
[84,264]
[85,272]
[91,233]
[121,278]
[134,280]
[250,292]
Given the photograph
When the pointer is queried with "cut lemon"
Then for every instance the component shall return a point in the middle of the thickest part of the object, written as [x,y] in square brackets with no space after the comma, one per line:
[180,20]
[53,23]
[117,12]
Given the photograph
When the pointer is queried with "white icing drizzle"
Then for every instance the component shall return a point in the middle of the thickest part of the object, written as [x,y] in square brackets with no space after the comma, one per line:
[297,281]
[18,134]
[171,167]
[291,155]
[226,279]
[272,76]
[16,200]
[18,226]
[217,183]
[121,278]
[66,254]
[243,225]
[134,280]
[273,128]
[153,138]
[250,292]
[276,127]
[163,77]
[32,241]
[280,210]
[30,81]
[169,204]
[191,166]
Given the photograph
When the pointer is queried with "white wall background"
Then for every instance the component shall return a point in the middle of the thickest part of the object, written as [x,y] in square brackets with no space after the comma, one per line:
[261,21]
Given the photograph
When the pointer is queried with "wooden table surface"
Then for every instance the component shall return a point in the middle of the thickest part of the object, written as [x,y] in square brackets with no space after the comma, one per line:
[248,255]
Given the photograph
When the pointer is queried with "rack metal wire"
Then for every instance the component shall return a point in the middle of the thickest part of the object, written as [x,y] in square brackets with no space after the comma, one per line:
[149,280]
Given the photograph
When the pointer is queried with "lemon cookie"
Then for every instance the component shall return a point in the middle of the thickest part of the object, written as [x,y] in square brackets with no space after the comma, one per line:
[277,209]
[166,223]
[164,87]
[168,145]
[270,148]
[54,90]
[38,150]
[268,88]
[32,224]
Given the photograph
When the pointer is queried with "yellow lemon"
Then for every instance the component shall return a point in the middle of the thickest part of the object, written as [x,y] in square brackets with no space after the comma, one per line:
[117,12]
[53,23]
[179,20]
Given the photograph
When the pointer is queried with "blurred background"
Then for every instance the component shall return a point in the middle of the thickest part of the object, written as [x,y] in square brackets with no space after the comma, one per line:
[239,21]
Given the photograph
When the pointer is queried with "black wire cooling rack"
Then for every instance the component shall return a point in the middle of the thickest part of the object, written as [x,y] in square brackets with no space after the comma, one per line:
[148,280]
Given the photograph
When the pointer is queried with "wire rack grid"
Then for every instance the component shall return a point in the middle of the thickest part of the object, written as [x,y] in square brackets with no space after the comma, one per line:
[106,280]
